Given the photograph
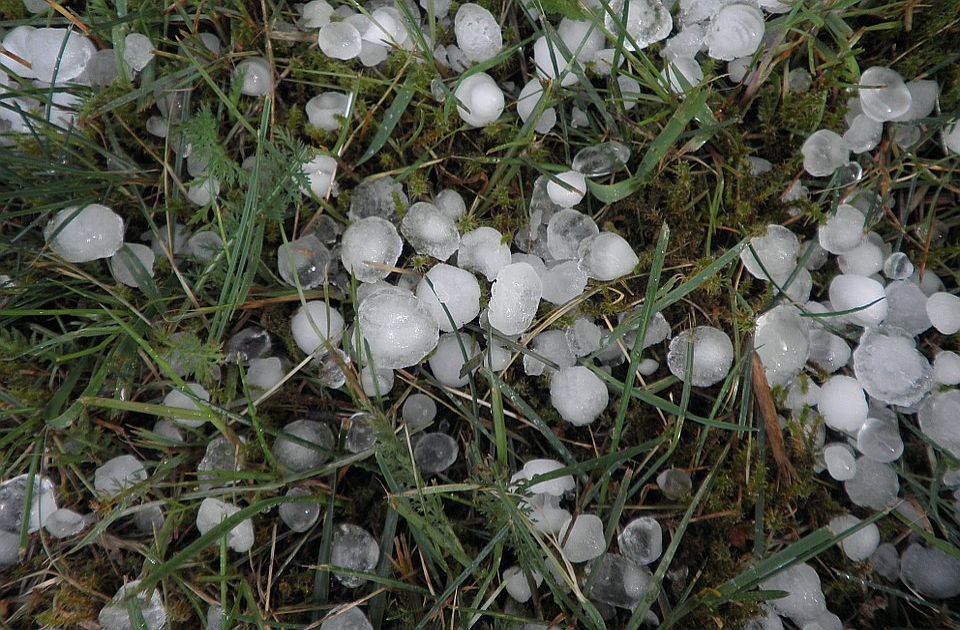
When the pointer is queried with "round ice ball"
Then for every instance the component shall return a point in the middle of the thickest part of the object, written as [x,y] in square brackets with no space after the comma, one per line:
[712,356]
[861,299]
[85,234]
[883,94]
[479,100]
[567,189]
[578,395]
[943,309]
[824,152]
[323,111]
[339,40]
[314,324]
[735,31]
[843,404]
[256,75]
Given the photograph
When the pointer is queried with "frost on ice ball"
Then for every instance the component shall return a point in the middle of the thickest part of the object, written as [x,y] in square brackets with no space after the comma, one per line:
[256,75]
[451,294]
[567,189]
[398,329]
[862,300]
[514,298]
[607,256]
[478,34]
[315,324]
[84,234]
[430,231]
[355,549]
[480,100]
[890,368]
[213,512]
[824,152]
[735,31]
[712,355]
[325,110]
[578,395]
[883,94]
[771,255]
[339,40]
[370,247]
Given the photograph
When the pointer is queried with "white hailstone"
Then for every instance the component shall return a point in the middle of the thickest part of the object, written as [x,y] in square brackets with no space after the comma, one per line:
[15,41]
[314,324]
[880,440]
[898,266]
[517,585]
[712,355]
[843,230]
[325,110]
[601,159]
[843,404]
[319,172]
[398,328]
[484,251]
[583,337]
[946,368]
[347,619]
[64,523]
[168,431]
[681,74]
[479,100]
[883,94]
[923,99]
[578,395]
[57,54]
[13,499]
[685,44]
[583,38]
[618,581]
[316,13]
[568,228]
[875,484]
[453,288]
[552,346]
[735,31]
[641,540]
[478,34]
[930,571]
[439,8]
[630,91]
[213,511]
[799,287]
[607,256]
[339,40]
[937,417]
[514,298]
[648,367]
[264,374]
[604,59]
[929,282]
[386,28]
[840,461]
[859,545]
[781,340]
[824,152]
[370,247]
[118,474]
[450,203]
[309,451]
[84,234]
[256,75]
[527,102]
[943,309]
[545,513]
[203,190]
[132,262]
[737,69]
[799,80]
[447,361]
[804,600]
[890,368]
[536,468]
[645,22]
[863,297]
[376,381]
[828,351]
[951,137]
[429,231]
[563,282]
[771,255]
[567,189]
[299,516]
[866,259]
[497,356]
[552,63]
[906,307]
[176,399]
[116,614]
[137,51]
[583,538]
[863,134]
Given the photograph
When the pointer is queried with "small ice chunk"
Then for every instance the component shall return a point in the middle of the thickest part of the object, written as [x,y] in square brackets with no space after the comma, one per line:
[607,256]
[563,282]
[329,370]
[859,545]
[118,474]
[946,368]
[514,298]
[866,259]
[168,431]
[553,63]
[480,100]
[843,404]
[641,540]
[376,381]
[681,74]
[582,538]
[13,498]
[583,38]
[360,433]
[377,197]
[204,246]
[578,395]
[314,324]
[299,515]
[599,160]
[418,411]
[517,584]
[149,519]
[841,464]
[347,619]
[824,152]
[137,51]
[736,31]
[429,231]
[131,263]
[890,368]
[355,549]
[712,355]
[923,99]
[484,251]
[930,572]
[781,339]
[319,172]
[450,293]
[618,581]
[58,54]
[886,562]
[256,76]
[213,512]
[478,33]
[84,234]
[943,309]
[370,248]
[862,300]
[316,13]
[9,548]
[937,417]
[116,614]
[451,203]
[339,40]
[874,485]
[567,189]
[452,353]
[64,523]
[880,440]
[435,452]
[249,343]
[304,262]
[398,329]
[675,483]
[583,337]
[325,110]
[303,446]
[863,134]
[897,266]
[528,101]
[219,464]
[883,94]
[906,307]
[804,600]
[203,190]
[545,512]
[536,468]
[567,229]
[552,346]
[645,22]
